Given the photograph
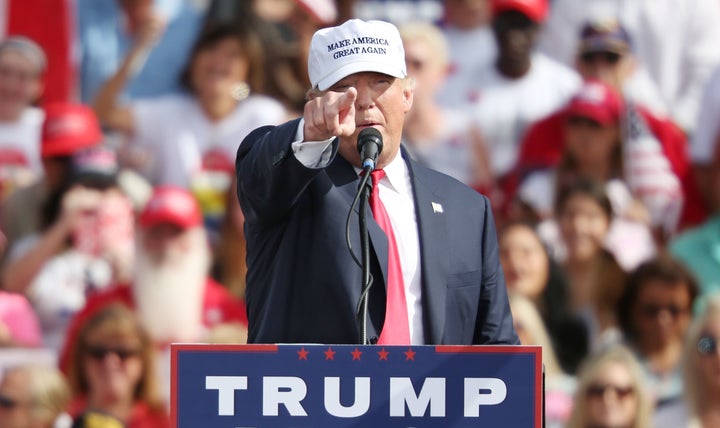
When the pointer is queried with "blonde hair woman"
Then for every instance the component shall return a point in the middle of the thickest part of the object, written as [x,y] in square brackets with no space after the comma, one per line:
[112,370]
[611,392]
[33,396]
[531,331]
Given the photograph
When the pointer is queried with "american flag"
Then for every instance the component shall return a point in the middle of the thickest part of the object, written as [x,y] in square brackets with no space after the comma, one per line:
[648,172]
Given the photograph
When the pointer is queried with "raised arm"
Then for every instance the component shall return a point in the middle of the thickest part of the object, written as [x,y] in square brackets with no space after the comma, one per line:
[275,164]
[19,273]
[107,104]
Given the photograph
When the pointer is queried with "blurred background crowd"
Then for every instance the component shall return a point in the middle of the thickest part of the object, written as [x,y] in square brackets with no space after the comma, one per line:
[593,126]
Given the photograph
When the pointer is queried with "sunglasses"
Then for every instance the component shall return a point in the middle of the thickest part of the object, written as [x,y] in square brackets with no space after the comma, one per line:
[599,391]
[606,57]
[707,345]
[99,353]
[7,402]
[652,311]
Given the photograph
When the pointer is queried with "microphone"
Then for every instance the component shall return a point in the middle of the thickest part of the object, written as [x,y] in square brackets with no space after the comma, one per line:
[369,145]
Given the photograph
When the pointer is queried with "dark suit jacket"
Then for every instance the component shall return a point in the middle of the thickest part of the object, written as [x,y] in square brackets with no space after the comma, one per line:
[302,283]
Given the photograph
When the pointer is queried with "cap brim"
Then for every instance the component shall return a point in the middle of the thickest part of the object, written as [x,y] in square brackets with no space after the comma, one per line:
[614,46]
[95,180]
[168,218]
[357,67]
[67,147]
[534,14]
[604,119]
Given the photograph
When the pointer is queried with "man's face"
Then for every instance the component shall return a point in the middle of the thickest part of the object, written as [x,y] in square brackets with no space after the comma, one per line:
[661,314]
[613,68]
[589,142]
[381,103]
[423,65]
[164,241]
[20,83]
[515,35]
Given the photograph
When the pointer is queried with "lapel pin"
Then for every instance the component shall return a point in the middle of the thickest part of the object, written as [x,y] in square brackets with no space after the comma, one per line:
[437,208]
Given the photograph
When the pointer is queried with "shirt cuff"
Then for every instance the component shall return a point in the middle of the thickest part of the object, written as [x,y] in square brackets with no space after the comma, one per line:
[312,154]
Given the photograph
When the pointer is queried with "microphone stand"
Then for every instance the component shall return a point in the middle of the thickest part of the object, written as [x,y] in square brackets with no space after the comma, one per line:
[369,146]
[364,190]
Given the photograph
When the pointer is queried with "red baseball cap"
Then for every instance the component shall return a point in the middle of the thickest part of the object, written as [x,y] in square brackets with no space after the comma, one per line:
[536,10]
[171,204]
[68,128]
[598,101]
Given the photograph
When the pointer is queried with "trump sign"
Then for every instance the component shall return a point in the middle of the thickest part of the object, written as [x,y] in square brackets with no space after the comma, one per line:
[243,386]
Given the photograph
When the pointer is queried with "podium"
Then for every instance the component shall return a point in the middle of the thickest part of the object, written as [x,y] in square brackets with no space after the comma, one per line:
[318,386]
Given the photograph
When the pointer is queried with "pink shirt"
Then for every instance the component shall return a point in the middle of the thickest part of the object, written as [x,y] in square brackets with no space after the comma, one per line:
[20,319]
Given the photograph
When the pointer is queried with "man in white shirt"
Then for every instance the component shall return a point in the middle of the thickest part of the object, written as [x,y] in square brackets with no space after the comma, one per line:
[521,86]
[22,66]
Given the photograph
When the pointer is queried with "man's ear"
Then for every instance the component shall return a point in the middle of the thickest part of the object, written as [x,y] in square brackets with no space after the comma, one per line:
[409,95]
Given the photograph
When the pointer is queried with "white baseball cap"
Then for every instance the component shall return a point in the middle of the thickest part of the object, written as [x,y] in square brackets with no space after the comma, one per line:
[353,47]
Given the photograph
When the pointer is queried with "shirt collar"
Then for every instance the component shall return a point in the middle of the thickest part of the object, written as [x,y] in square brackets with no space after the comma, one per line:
[396,173]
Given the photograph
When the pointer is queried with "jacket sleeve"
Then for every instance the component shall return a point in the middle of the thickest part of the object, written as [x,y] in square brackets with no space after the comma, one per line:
[270,179]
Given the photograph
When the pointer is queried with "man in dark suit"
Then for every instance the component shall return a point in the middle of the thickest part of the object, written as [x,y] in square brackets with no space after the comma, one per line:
[296,184]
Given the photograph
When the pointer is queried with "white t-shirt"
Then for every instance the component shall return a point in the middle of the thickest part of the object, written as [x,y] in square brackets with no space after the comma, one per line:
[471,51]
[20,148]
[508,106]
[707,130]
[676,41]
[178,137]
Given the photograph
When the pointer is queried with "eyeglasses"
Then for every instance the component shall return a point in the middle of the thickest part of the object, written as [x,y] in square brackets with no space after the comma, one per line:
[652,311]
[99,353]
[611,58]
[707,345]
[599,391]
[7,402]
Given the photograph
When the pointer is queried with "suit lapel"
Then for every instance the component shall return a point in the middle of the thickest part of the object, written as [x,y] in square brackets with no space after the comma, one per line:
[433,252]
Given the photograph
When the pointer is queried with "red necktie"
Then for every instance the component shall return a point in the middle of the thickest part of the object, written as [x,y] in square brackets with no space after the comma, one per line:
[396,330]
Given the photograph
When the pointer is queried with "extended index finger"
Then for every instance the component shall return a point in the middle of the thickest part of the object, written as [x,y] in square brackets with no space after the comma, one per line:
[346,113]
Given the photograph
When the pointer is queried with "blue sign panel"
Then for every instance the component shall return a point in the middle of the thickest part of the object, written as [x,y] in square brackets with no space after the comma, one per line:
[311,386]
